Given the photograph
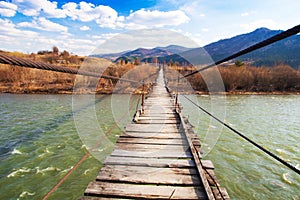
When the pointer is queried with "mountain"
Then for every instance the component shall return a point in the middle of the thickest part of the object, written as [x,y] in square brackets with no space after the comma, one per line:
[286,51]
[226,47]
[109,56]
[174,49]
[144,54]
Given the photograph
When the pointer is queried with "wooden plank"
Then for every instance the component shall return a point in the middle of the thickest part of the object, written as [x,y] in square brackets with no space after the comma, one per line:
[223,195]
[156,115]
[153,147]
[162,128]
[159,107]
[152,135]
[152,141]
[207,164]
[157,121]
[152,154]
[143,191]
[149,117]
[98,198]
[159,112]
[211,177]
[149,162]
[148,175]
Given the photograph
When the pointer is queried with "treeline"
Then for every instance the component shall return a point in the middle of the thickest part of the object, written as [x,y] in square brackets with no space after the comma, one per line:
[15,79]
[246,78]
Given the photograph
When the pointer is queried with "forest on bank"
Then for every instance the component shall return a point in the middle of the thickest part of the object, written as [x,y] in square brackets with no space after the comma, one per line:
[237,78]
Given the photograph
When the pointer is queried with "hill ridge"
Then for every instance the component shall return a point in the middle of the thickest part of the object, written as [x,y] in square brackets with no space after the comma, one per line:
[283,52]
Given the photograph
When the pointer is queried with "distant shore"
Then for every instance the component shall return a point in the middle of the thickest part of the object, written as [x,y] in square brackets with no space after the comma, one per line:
[109,92]
[251,93]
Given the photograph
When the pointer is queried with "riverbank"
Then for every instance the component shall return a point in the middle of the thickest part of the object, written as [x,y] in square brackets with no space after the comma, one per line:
[249,93]
[58,91]
[69,89]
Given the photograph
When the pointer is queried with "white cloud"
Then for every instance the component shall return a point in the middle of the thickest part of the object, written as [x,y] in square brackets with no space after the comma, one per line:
[30,41]
[149,19]
[105,36]
[84,28]
[7,9]
[36,7]
[245,14]
[193,9]
[147,38]
[9,29]
[107,17]
[104,16]
[42,23]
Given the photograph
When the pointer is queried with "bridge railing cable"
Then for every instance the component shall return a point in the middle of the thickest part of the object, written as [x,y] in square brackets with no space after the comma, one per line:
[293,168]
[5,59]
[285,34]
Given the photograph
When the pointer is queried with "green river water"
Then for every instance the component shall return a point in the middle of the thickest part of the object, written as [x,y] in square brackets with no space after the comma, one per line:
[42,137]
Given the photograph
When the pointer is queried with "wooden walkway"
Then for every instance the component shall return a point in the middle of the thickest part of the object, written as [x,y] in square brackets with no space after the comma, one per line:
[157,157]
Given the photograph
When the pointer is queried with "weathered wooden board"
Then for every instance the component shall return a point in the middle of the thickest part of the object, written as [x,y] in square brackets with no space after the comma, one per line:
[143,191]
[153,141]
[157,121]
[220,196]
[153,135]
[149,162]
[98,198]
[166,107]
[148,117]
[162,128]
[149,175]
[211,177]
[154,147]
[158,115]
[157,112]
[207,164]
[145,170]
[152,154]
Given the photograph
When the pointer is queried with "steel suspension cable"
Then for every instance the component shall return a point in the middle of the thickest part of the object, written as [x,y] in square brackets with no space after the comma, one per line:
[275,38]
[5,59]
[293,168]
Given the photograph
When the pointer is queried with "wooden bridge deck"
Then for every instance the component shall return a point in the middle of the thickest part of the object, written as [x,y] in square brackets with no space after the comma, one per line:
[156,158]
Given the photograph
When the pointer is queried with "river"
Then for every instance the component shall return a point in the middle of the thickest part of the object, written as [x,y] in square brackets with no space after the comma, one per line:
[42,137]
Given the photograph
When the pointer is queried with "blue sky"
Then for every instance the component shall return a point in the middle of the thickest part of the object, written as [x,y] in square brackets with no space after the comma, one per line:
[81,26]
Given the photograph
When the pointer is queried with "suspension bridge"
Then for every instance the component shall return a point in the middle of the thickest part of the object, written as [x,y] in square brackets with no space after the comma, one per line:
[158,156]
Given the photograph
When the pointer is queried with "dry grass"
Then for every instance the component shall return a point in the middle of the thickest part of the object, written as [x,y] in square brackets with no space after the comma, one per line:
[15,79]
[281,78]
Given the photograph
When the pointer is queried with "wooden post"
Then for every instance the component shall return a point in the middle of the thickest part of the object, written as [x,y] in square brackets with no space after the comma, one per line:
[143,97]
[176,95]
